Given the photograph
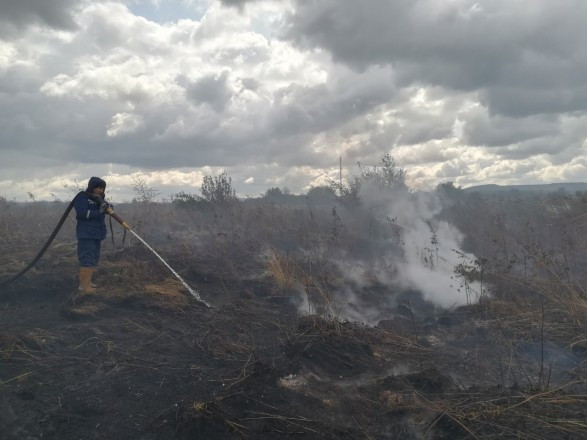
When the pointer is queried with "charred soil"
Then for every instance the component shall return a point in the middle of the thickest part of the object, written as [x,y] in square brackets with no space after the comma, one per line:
[140,359]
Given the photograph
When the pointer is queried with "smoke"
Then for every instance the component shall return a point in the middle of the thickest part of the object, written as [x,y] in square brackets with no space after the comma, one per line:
[432,252]
[414,260]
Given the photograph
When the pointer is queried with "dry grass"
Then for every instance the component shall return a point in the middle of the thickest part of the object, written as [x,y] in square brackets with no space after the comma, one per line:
[283,270]
[552,309]
[8,345]
[288,275]
[504,414]
[544,309]
[320,297]
[169,294]
[541,312]
[87,310]
[166,295]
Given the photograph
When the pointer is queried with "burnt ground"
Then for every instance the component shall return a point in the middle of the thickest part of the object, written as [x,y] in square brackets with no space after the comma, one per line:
[142,360]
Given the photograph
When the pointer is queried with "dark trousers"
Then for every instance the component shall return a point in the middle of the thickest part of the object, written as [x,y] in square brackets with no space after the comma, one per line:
[88,252]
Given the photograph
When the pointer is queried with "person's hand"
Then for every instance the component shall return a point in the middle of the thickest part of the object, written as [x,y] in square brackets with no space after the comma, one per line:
[105,207]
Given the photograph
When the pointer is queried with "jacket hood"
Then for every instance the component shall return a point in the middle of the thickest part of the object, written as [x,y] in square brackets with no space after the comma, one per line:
[95,182]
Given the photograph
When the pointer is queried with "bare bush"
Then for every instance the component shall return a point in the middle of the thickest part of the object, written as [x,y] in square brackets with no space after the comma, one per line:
[386,176]
[218,190]
[144,193]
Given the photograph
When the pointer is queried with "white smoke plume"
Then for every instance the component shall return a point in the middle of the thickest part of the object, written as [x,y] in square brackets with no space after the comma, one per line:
[421,258]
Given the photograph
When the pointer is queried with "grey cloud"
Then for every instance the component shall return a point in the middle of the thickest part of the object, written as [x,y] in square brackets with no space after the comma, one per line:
[453,169]
[558,136]
[412,123]
[300,108]
[236,3]
[530,148]
[482,129]
[421,125]
[250,84]
[17,79]
[392,48]
[37,128]
[489,46]
[560,147]
[404,32]
[523,101]
[421,131]
[212,90]
[17,14]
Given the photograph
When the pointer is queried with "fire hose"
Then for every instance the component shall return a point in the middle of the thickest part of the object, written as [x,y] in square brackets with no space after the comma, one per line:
[52,237]
[126,227]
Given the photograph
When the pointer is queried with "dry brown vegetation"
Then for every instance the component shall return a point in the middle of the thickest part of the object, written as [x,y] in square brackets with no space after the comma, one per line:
[277,356]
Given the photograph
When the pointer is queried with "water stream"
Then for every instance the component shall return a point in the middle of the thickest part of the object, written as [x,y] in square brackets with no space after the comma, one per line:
[186,285]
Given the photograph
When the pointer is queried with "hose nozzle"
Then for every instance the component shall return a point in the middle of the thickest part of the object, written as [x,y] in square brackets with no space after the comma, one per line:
[116,217]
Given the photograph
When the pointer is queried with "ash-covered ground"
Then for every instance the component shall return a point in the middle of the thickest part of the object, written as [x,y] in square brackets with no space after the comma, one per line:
[324,325]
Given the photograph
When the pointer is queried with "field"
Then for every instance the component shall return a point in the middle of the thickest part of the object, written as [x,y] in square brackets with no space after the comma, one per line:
[347,315]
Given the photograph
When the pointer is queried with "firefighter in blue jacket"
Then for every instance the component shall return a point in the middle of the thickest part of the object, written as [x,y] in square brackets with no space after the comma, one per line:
[91,209]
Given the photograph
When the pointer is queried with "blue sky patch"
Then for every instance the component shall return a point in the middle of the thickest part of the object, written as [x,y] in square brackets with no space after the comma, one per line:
[168,11]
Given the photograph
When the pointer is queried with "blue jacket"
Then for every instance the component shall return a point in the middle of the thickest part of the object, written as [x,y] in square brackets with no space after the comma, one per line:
[91,222]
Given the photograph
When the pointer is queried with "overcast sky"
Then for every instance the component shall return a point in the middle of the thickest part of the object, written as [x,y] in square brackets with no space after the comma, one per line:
[489,91]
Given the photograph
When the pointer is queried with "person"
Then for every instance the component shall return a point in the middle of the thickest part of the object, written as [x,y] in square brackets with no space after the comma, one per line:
[91,209]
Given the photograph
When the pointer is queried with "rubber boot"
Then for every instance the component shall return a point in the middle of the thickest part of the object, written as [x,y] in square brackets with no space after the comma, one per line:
[85,279]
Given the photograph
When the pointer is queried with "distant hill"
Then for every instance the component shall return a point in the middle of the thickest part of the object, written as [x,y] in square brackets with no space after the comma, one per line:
[547,187]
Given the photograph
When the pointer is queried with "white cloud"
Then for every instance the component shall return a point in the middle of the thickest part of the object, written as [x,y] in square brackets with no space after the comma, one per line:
[433,83]
[124,123]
